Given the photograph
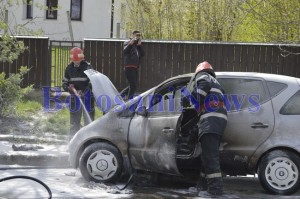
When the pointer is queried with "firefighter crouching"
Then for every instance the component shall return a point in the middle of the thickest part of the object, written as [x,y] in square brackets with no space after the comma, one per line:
[210,105]
[76,82]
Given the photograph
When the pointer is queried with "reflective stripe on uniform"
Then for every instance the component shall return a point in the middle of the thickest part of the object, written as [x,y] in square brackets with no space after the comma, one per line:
[216,90]
[201,92]
[65,79]
[202,77]
[214,175]
[79,79]
[213,114]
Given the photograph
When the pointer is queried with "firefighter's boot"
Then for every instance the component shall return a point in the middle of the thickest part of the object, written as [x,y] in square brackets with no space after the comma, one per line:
[202,184]
[215,186]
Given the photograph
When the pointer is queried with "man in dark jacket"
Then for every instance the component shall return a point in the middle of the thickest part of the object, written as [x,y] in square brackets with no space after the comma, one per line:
[76,82]
[213,119]
[132,53]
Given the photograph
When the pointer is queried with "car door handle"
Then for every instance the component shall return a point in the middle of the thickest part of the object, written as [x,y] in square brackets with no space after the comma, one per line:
[257,125]
[168,130]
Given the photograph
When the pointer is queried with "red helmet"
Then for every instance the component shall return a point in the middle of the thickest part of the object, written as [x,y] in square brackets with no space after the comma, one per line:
[76,54]
[202,66]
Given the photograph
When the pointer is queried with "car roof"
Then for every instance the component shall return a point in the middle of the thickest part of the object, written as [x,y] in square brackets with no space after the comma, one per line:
[266,76]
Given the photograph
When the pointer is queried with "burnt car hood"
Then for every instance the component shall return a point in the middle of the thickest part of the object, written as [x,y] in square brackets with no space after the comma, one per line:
[106,94]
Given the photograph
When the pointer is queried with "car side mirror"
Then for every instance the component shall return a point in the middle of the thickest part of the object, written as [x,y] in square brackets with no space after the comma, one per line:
[142,111]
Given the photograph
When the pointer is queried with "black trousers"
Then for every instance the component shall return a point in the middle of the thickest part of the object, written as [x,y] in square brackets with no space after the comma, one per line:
[210,158]
[84,107]
[213,181]
[210,143]
[132,78]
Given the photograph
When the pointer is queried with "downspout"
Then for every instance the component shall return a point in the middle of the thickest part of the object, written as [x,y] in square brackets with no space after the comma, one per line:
[70,26]
[112,18]
[6,21]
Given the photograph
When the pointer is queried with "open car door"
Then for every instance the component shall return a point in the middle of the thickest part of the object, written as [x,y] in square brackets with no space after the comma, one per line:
[152,131]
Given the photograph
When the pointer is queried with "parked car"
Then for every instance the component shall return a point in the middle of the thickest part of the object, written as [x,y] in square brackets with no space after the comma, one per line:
[146,134]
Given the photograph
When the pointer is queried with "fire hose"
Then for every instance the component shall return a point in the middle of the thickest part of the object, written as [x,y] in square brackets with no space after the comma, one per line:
[30,178]
[77,94]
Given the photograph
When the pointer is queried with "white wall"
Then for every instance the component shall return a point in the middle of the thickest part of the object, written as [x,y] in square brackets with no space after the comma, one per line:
[95,23]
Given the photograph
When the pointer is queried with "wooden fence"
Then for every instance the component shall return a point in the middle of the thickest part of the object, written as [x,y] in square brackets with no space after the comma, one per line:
[163,59]
[36,58]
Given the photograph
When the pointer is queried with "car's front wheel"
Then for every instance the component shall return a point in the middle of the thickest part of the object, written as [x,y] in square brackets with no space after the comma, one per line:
[278,172]
[101,162]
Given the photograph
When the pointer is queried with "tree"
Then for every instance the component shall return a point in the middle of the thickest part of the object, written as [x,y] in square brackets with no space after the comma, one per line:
[157,19]
[274,20]
[10,48]
[216,20]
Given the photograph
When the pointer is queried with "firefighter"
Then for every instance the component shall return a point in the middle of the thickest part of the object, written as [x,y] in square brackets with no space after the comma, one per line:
[76,82]
[211,125]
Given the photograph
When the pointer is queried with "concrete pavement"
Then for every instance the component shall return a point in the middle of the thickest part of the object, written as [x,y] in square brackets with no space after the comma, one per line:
[33,151]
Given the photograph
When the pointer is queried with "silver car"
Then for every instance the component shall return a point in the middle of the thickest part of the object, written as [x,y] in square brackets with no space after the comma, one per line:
[153,132]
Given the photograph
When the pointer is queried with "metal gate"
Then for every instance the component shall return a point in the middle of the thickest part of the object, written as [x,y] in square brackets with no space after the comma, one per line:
[60,58]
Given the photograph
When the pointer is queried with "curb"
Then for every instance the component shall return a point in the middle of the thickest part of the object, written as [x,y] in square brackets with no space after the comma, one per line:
[35,160]
[52,152]
[31,139]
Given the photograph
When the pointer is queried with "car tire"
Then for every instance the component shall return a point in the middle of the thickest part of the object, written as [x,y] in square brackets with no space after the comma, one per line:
[278,172]
[101,162]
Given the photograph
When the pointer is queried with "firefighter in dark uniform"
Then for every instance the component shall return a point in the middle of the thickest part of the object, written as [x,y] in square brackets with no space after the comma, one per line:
[212,122]
[76,82]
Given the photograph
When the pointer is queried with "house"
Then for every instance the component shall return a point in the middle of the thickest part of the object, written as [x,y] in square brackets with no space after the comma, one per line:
[68,20]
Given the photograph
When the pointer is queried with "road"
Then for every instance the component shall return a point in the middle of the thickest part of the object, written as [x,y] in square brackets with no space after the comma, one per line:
[68,183]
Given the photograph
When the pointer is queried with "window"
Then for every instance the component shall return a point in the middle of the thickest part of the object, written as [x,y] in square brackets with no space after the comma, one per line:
[29,9]
[275,88]
[292,106]
[76,8]
[51,12]
[241,94]
[167,99]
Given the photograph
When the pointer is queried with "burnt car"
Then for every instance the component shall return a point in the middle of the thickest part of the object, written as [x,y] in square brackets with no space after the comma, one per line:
[149,133]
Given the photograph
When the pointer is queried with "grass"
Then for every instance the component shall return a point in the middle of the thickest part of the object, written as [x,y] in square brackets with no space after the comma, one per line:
[27,107]
[60,58]
[30,109]
[58,122]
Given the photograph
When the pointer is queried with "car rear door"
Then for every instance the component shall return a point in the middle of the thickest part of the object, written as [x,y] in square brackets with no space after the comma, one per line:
[250,119]
[152,137]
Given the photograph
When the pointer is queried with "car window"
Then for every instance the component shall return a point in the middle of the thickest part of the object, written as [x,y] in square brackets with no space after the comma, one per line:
[275,88]
[292,106]
[243,93]
[167,99]
[128,109]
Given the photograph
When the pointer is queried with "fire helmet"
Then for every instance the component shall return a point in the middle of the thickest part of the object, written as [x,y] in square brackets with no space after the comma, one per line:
[76,54]
[203,66]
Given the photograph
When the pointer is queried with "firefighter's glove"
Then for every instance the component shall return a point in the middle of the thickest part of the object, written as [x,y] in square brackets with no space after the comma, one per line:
[185,102]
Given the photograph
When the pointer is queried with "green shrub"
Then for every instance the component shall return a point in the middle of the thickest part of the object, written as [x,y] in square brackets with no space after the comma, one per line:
[11,92]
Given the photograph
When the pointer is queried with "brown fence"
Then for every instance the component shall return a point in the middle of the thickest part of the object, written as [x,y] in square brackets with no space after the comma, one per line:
[36,58]
[165,59]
